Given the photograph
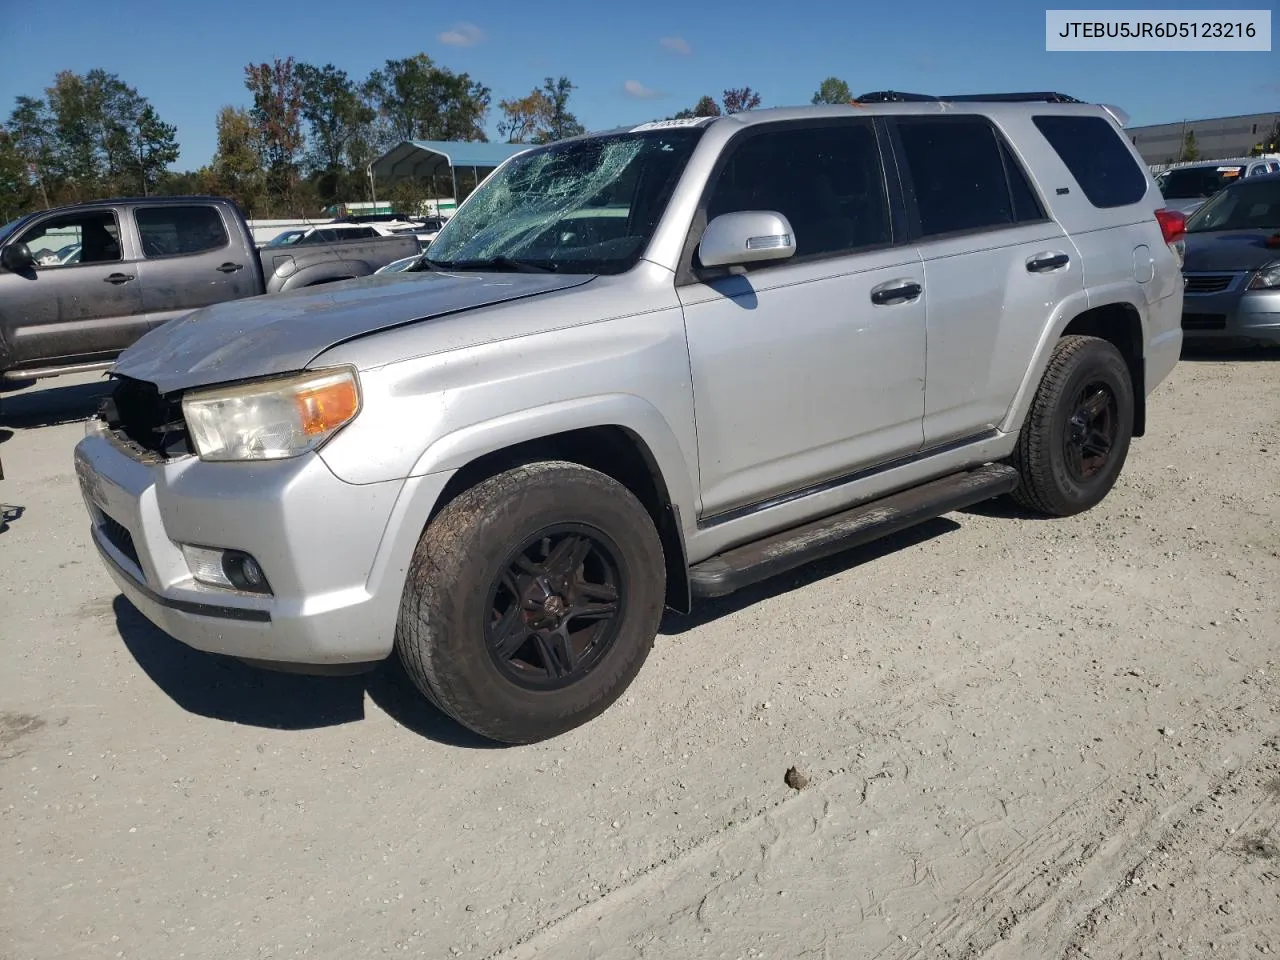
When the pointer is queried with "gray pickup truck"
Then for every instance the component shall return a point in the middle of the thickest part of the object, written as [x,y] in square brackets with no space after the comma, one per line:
[79,284]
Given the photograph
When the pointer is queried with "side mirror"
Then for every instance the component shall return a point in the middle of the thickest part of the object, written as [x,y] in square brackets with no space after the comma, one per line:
[750,236]
[16,257]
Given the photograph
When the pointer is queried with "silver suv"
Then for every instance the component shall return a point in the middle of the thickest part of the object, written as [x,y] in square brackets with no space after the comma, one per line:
[636,369]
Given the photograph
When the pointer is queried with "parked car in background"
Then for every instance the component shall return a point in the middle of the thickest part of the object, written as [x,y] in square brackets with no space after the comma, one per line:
[134,264]
[1186,186]
[286,237]
[810,328]
[1232,264]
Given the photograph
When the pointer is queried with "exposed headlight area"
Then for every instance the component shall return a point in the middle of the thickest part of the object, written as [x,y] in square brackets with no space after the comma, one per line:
[1268,278]
[271,419]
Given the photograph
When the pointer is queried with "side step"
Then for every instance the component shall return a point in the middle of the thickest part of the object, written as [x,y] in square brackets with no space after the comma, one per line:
[734,569]
[40,373]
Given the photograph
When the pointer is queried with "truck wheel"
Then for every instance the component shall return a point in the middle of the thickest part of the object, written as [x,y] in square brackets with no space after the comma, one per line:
[1076,435]
[532,601]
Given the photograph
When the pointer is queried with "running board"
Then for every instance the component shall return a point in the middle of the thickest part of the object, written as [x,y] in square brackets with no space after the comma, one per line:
[734,569]
[40,373]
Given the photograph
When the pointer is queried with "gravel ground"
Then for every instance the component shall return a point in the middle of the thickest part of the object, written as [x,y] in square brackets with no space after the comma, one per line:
[1012,738]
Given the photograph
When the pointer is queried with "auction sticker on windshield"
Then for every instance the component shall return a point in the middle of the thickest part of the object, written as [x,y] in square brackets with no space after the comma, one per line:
[665,124]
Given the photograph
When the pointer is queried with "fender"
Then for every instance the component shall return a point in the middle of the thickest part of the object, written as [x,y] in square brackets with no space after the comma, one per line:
[325,272]
[445,456]
[1128,294]
[455,450]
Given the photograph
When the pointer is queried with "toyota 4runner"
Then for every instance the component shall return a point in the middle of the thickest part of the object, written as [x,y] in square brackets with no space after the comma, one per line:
[636,369]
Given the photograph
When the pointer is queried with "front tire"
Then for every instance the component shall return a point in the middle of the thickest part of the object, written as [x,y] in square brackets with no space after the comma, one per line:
[532,601]
[1075,439]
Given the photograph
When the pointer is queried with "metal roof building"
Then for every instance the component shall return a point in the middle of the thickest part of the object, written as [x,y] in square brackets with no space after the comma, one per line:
[1216,138]
[422,159]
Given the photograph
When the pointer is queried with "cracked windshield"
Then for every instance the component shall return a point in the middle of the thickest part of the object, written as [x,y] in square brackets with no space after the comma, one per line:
[582,206]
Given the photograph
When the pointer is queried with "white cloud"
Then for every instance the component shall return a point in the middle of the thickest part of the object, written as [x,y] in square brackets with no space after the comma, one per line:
[462,35]
[635,88]
[677,45]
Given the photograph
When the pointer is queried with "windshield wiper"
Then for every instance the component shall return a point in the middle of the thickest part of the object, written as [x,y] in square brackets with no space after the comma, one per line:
[425,263]
[499,263]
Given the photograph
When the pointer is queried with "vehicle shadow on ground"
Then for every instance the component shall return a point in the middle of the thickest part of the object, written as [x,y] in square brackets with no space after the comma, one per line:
[1201,353]
[222,688]
[705,611]
[52,405]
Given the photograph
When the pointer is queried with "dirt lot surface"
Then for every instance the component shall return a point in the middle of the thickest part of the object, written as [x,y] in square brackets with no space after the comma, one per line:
[1021,738]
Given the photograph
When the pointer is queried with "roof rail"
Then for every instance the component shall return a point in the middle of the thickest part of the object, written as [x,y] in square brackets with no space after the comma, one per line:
[893,96]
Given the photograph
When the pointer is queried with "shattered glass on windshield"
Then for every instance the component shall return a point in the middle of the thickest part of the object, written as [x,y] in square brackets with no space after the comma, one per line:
[587,206]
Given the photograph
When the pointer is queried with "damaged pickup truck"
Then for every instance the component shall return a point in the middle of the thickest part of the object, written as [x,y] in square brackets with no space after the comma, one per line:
[636,369]
[78,284]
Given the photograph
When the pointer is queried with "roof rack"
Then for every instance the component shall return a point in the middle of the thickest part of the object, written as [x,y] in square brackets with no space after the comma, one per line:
[893,96]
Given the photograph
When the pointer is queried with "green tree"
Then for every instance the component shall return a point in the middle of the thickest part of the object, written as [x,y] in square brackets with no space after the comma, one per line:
[277,117]
[80,151]
[705,107]
[739,99]
[1189,149]
[337,115]
[832,90]
[418,100]
[30,129]
[1268,144]
[17,191]
[156,146]
[236,170]
[559,123]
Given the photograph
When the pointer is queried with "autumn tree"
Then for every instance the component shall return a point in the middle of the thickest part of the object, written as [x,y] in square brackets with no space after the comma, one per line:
[832,90]
[418,100]
[739,99]
[521,116]
[277,116]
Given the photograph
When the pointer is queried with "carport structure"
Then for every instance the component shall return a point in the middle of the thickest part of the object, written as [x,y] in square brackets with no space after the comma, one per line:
[422,159]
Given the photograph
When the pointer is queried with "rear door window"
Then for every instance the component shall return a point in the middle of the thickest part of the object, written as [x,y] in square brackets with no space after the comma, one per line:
[179,231]
[1097,157]
[963,176]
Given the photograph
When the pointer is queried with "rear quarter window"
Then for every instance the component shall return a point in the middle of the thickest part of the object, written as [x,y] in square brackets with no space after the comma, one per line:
[1097,157]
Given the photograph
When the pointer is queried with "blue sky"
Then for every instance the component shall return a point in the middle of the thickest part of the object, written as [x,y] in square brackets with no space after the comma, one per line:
[631,62]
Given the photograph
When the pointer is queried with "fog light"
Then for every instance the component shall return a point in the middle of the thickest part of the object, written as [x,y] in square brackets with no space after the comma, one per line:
[244,573]
[230,569]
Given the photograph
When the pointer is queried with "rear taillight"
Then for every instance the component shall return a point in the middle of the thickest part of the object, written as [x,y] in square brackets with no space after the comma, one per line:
[1173,225]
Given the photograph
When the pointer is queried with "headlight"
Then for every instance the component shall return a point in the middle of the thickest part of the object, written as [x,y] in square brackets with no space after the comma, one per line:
[1268,278]
[271,419]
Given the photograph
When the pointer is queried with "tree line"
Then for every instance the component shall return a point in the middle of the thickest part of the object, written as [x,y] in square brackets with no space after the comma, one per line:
[304,142]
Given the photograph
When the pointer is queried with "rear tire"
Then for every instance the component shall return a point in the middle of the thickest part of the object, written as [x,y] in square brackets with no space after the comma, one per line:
[532,601]
[1075,439]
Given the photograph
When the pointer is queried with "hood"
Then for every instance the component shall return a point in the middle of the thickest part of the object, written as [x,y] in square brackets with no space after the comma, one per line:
[1229,250]
[1185,205]
[283,332]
